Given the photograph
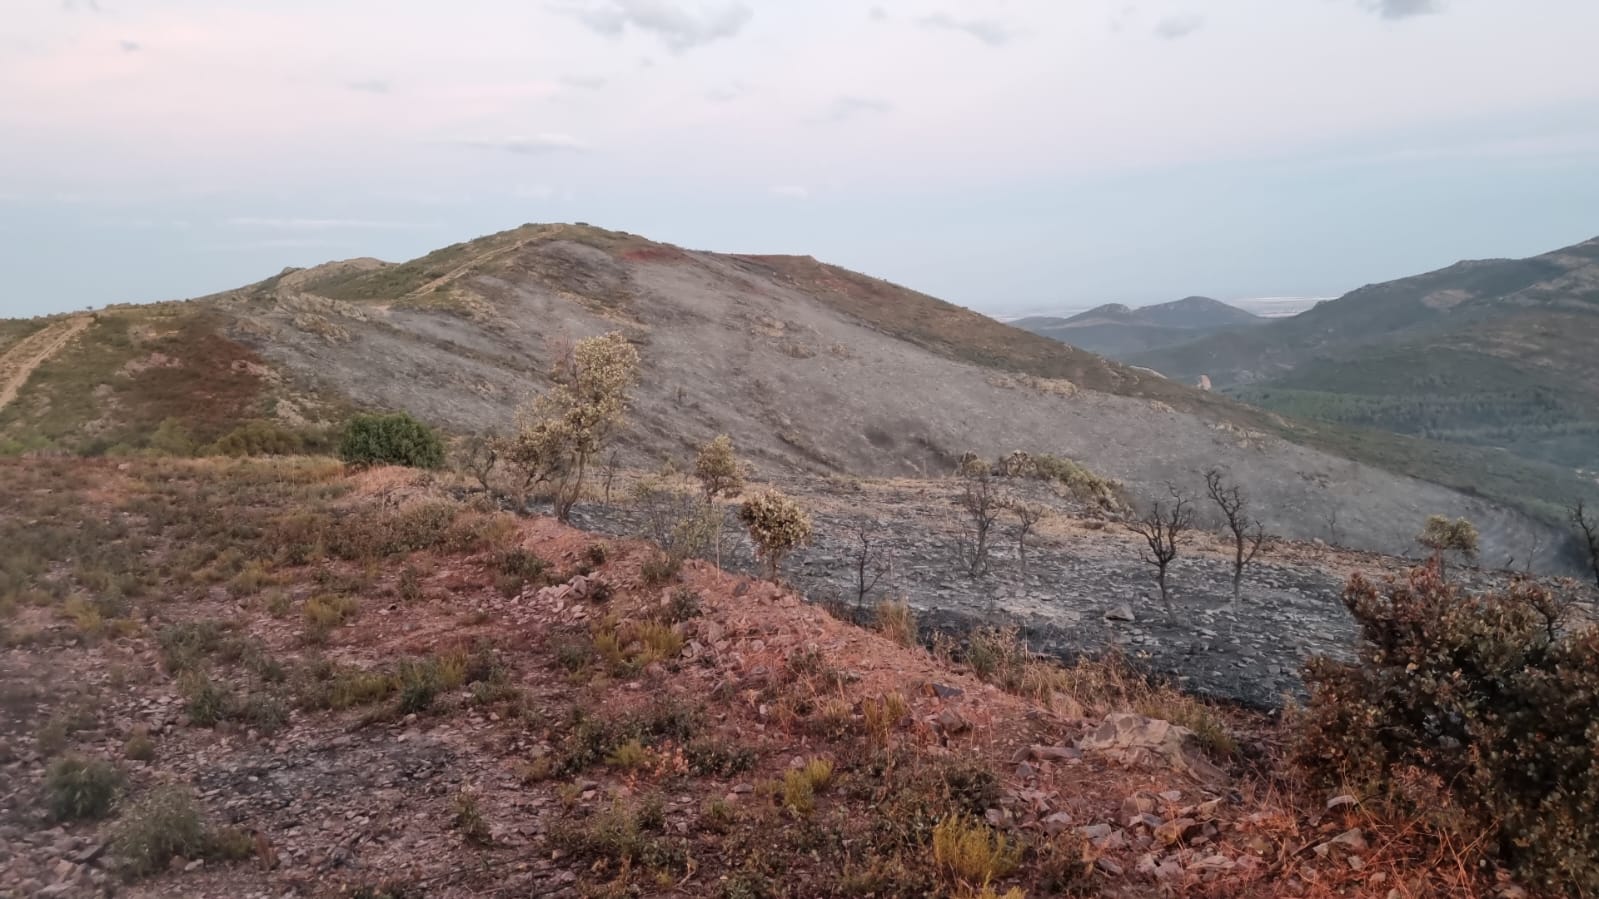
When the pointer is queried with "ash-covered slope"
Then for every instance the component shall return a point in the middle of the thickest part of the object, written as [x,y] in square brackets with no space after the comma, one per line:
[807,366]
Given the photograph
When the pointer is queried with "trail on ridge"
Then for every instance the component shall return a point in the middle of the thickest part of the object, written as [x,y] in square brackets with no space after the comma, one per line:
[19,363]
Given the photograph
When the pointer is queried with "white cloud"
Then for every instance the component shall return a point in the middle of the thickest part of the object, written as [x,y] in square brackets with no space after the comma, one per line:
[678,26]
[370,86]
[846,108]
[791,191]
[989,31]
[1178,26]
[1404,9]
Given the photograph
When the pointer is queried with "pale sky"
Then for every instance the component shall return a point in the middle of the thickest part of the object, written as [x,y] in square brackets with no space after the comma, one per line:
[1007,155]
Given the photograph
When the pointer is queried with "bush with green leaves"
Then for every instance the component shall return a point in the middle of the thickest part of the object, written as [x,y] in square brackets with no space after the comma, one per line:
[394,439]
[259,437]
[80,787]
[1491,699]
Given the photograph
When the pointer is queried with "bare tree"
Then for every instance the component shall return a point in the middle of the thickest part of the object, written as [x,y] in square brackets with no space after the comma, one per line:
[873,561]
[610,474]
[479,456]
[1162,528]
[981,501]
[1028,515]
[1587,535]
[1329,517]
[1248,533]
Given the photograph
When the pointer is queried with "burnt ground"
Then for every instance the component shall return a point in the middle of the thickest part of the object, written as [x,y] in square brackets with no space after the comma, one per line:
[1082,570]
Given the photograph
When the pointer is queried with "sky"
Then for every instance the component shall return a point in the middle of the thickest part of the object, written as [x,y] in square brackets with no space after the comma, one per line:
[1007,155]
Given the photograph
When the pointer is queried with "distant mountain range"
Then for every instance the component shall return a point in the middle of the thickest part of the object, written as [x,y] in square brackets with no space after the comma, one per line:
[1500,353]
[1118,331]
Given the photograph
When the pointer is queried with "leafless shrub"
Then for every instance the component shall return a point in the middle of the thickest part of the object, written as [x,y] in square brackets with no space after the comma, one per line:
[479,457]
[873,561]
[1028,516]
[1162,528]
[1247,534]
[981,502]
[1587,526]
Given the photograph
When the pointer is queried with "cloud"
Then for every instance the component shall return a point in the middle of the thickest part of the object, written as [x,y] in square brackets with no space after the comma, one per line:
[130,46]
[584,82]
[791,191]
[1404,9]
[843,109]
[877,14]
[85,5]
[679,27]
[1180,26]
[988,31]
[375,86]
[314,224]
[725,94]
[535,145]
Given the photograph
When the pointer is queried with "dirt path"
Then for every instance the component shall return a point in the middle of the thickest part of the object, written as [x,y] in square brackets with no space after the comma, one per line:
[471,265]
[18,363]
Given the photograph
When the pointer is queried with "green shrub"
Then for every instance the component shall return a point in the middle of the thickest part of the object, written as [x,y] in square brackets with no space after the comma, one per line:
[80,787]
[395,439]
[1491,700]
[261,438]
[164,823]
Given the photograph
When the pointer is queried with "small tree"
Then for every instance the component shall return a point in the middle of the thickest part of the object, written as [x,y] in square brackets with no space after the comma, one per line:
[1443,536]
[395,439]
[562,431]
[777,526]
[982,504]
[720,474]
[1248,534]
[1587,535]
[1028,515]
[479,457]
[719,471]
[1162,528]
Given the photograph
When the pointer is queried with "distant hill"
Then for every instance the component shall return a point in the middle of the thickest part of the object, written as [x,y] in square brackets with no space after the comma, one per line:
[809,367]
[1494,353]
[1118,331]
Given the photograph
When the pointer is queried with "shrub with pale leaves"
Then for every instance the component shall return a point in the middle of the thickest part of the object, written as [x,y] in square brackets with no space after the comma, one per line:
[776,524]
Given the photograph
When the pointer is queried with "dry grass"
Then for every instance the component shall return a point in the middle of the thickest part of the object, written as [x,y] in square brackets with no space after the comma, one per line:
[970,855]
[882,802]
[897,622]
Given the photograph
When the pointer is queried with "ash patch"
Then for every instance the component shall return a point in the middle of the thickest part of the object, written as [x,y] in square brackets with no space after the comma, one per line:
[1250,651]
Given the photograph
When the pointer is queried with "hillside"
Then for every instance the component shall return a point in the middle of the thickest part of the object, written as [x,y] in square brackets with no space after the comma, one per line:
[280,678]
[1495,354]
[1117,331]
[810,368]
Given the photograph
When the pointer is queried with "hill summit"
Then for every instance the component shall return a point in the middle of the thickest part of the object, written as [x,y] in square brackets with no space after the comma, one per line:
[809,367]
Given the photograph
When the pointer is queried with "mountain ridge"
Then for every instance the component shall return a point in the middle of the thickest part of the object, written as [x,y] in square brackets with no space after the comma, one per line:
[809,367]
[1118,331]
